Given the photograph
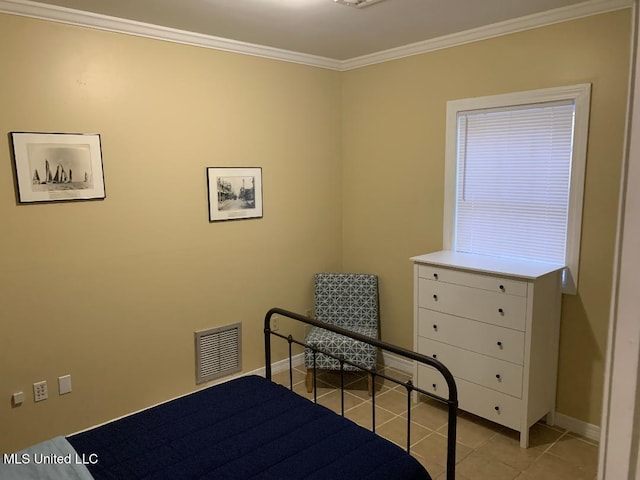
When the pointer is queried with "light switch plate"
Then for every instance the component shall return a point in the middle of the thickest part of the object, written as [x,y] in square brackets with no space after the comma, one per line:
[64,384]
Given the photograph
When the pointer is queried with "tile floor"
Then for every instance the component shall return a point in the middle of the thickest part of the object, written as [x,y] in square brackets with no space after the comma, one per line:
[484,450]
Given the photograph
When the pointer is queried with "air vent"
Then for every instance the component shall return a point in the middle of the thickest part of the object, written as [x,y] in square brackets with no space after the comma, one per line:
[218,352]
[357,3]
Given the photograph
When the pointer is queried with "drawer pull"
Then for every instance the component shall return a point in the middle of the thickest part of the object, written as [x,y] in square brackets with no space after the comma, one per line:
[498,376]
[499,344]
[435,297]
[434,355]
[501,311]
[435,276]
[435,327]
[497,408]
[434,386]
[501,287]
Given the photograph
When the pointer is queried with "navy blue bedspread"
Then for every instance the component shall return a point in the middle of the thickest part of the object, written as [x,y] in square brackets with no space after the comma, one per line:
[248,428]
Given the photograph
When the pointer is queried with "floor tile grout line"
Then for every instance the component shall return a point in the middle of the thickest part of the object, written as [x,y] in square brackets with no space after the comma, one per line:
[394,415]
[359,401]
[547,450]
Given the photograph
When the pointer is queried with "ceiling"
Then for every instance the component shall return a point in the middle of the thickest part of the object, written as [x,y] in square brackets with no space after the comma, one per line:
[320,28]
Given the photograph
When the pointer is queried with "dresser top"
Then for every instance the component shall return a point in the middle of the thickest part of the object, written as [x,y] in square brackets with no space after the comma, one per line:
[488,264]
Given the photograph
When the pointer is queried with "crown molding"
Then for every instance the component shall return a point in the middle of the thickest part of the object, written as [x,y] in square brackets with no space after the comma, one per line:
[69,16]
[558,15]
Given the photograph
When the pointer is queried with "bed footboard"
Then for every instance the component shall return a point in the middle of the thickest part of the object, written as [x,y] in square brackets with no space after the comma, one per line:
[451,401]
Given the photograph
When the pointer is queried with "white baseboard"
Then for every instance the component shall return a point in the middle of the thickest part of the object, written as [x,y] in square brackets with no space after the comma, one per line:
[393,361]
[277,367]
[584,429]
[283,365]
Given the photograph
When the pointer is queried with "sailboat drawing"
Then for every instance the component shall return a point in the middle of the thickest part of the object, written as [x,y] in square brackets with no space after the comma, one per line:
[57,166]
[60,178]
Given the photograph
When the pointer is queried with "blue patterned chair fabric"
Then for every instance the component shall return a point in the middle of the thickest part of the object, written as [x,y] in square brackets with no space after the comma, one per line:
[347,300]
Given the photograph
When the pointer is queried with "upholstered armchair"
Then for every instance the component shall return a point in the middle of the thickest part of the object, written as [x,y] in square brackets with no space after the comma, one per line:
[350,301]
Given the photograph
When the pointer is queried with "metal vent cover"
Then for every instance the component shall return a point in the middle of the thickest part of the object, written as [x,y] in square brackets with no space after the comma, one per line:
[218,352]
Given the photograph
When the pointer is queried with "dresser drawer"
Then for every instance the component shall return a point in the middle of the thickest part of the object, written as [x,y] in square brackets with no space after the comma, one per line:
[489,372]
[499,342]
[495,406]
[484,282]
[491,307]
[430,380]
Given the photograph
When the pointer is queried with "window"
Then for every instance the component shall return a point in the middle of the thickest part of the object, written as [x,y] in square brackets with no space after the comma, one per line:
[515,176]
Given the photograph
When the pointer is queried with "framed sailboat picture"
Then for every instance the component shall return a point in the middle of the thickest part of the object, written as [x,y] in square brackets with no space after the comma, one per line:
[234,193]
[58,166]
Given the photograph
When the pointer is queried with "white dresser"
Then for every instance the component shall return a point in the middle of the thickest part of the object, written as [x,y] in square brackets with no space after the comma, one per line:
[495,324]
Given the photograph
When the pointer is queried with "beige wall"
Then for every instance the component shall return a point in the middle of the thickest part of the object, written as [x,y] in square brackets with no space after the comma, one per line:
[393,169]
[111,291]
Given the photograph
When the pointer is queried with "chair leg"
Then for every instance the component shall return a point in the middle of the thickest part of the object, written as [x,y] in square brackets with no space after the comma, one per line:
[309,380]
[370,383]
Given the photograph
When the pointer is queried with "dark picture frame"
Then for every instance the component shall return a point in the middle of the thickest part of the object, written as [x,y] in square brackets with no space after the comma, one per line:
[51,167]
[235,193]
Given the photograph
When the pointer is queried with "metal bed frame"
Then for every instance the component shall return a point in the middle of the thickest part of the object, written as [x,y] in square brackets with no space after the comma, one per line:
[451,402]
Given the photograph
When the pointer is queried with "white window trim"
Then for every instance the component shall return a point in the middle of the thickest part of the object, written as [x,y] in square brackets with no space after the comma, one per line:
[581,95]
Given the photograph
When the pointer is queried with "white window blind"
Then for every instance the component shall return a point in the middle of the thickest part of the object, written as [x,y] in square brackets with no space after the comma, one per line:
[513,180]
[514,176]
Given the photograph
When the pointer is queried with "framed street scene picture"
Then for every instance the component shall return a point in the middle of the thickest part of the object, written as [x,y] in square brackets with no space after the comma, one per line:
[234,193]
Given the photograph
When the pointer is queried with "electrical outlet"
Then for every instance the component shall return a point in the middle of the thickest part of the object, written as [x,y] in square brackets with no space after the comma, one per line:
[40,391]
[275,323]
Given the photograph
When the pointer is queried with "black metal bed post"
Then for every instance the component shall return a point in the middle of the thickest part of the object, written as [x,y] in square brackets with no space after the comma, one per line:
[373,400]
[290,340]
[451,444]
[409,387]
[267,346]
[341,386]
[315,378]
